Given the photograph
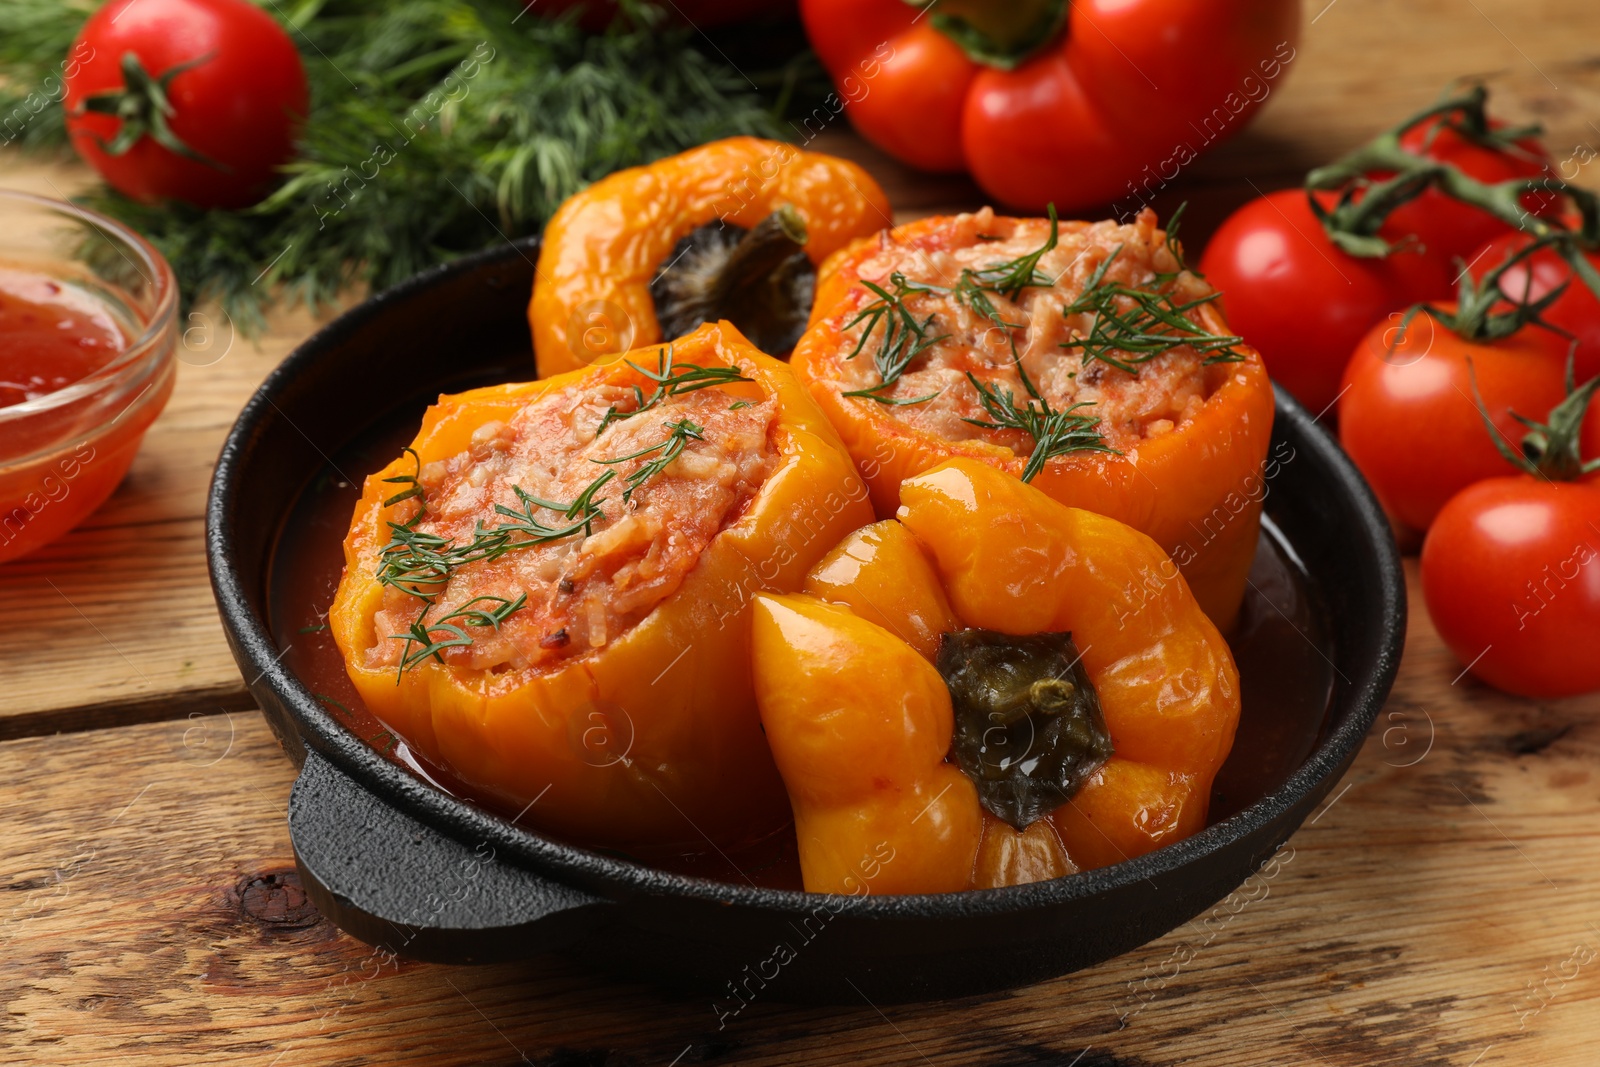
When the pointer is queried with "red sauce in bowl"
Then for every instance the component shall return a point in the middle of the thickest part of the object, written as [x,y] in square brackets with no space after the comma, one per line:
[87,344]
[51,336]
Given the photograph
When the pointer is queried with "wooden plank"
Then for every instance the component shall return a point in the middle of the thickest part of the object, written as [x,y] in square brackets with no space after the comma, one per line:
[107,642]
[1438,909]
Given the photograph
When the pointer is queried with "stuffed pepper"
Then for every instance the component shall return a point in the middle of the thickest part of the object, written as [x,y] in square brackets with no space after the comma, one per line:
[731,230]
[991,689]
[1082,358]
[547,594]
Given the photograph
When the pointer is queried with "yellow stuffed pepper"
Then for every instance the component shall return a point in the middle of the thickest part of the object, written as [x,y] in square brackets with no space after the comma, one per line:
[735,230]
[547,594]
[1083,358]
[989,690]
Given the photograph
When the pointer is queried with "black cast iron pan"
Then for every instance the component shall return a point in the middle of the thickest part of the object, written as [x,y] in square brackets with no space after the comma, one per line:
[401,864]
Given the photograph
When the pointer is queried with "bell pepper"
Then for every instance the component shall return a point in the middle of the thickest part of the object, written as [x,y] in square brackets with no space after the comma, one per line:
[731,230]
[653,739]
[861,720]
[1042,100]
[1197,488]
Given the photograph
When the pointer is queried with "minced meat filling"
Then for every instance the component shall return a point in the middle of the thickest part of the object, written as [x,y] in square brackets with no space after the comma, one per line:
[586,589]
[1164,392]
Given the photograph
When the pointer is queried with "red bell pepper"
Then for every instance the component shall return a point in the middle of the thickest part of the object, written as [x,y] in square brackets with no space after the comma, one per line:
[1045,101]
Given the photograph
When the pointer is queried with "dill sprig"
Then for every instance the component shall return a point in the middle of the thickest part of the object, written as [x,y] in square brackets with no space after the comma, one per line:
[437,127]
[1054,433]
[412,479]
[670,380]
[1142,323]
[1010,278]
[903,340]
[679,434]
[421,563]
[454,625]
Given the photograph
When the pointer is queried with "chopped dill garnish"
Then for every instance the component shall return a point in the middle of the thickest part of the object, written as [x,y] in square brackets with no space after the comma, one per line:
[904,338]
[422,632]
[412,479]
[421,563]
[326,699]
[678,435]
[1010,278]
[1054,433]
[670,381]
[1143,323]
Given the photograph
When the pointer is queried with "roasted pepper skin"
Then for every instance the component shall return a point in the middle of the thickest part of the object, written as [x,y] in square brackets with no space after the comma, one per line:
[1079,122]
[679,750]
[603,246]
[1006,557]
[1197,490]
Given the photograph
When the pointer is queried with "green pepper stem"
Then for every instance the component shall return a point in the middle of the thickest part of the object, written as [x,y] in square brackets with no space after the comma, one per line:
[1001,35]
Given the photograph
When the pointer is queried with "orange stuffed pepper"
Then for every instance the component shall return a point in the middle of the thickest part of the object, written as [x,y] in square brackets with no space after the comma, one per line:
[731,230]
[990,690]
[548,594]
[1083,358]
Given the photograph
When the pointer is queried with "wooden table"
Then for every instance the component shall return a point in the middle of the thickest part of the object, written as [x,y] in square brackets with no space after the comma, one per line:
[1439,909]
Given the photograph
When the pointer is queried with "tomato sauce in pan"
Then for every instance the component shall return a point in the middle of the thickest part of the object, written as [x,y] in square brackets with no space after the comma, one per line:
[1280,644]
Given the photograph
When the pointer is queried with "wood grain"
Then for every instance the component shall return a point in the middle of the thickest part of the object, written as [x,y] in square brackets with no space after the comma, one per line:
[1438,910]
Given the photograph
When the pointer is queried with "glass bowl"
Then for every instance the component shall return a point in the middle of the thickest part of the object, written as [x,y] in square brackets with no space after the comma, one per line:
[62,453]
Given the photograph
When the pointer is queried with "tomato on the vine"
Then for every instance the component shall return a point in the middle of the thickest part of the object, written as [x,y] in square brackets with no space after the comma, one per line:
[1576,311]
[1449,229]
[1300,300]
[1408,417]
[1512,582]
[193,100]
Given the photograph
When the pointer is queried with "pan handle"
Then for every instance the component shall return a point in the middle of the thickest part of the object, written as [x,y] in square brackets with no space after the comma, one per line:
[399,884]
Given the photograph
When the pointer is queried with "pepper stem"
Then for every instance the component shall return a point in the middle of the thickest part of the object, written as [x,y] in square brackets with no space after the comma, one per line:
[759,279]
[1001,35]
[143,108]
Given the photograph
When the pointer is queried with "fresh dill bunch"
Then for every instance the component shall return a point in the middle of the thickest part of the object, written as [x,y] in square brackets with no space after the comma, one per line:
[437,127]
[35,37]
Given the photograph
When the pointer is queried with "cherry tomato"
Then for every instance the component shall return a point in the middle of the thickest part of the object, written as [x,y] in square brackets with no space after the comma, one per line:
[1408,418]
[1448,229]
[234,83]
[1510,574]
[1576,311]
[1305,304]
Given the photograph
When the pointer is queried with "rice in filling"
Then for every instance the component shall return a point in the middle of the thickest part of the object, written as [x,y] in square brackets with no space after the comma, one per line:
[587,589]
[1162,394]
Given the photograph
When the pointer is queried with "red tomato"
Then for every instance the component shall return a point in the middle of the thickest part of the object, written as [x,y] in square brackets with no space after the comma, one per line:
[1292,294]
[1510,574]
[1577,310]
[1409,421]
[1449,229]
[239,104]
